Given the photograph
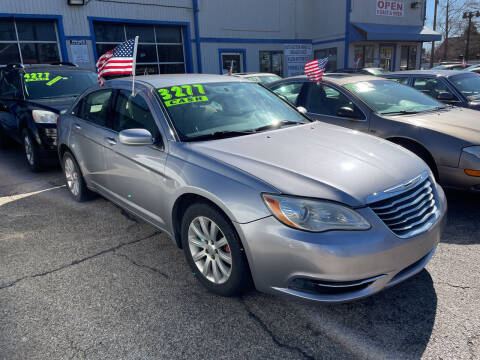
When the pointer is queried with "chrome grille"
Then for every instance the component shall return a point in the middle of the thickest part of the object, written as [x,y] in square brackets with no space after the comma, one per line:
[411,211]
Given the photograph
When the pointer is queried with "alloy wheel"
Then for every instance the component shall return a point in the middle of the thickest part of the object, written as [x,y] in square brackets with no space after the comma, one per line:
[210,249]
[28,149]
[71,174]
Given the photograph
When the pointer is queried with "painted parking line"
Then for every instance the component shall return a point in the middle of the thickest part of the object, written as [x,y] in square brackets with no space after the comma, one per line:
[6,199]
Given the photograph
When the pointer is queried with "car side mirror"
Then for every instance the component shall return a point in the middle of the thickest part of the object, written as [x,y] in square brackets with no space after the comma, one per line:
[348,112]
[135,137]
[302,110]
[446,96]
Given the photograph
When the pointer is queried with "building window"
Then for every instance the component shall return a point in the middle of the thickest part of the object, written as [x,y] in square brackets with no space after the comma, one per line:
[271,62]
[366,55]
[408,58]
[232,60]
[332,57]
[28,41]
[160,48]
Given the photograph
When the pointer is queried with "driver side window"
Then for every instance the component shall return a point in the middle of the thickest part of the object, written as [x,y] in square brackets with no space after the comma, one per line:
[132,112]
[325,100]
[431,87]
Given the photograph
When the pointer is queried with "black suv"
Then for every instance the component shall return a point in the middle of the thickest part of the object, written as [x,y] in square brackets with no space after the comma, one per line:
[31,97]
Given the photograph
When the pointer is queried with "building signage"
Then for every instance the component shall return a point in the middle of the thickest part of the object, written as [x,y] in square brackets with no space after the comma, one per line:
[390,8]
[296,55]
[79,51]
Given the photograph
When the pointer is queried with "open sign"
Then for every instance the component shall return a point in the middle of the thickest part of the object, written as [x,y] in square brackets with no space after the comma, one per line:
[390,8]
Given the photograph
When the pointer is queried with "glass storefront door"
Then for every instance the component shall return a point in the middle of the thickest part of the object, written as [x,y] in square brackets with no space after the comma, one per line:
[386,57]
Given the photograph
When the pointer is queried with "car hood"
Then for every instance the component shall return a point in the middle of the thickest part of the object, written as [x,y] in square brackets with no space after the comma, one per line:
[58,104]
[459,122]
[318,160]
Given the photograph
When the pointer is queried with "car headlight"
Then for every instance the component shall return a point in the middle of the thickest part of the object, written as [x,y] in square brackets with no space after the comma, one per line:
[44,117]
[314,215]
[474,150]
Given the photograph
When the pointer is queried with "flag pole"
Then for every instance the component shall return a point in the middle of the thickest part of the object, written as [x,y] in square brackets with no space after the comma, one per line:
[134,65]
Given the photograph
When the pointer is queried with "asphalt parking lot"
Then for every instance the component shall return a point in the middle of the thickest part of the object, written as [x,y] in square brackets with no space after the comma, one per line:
[85,281]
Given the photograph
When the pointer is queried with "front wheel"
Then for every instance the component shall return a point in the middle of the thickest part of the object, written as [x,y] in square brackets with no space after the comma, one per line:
[214,251]
[32,152]
[75,182]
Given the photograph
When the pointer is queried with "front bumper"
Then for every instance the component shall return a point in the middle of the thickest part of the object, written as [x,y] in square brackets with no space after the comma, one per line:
[455,177]
[335,266]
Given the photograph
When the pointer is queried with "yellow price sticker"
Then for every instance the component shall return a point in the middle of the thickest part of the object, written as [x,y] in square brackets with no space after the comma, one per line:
[40,76]
[182,91]
[185,100]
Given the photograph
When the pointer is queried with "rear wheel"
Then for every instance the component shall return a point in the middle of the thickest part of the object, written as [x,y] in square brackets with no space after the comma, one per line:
[32,152]
[214,251]
[74,178]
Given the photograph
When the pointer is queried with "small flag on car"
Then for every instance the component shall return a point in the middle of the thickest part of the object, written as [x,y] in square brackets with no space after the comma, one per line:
[231,69]
[118,61]
[314,69]
[464,63]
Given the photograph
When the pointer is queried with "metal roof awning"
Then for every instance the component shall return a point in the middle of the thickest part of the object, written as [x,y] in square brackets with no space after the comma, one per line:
[393,32]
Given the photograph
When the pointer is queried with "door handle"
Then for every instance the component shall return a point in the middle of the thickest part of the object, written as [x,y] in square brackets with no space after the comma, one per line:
[110,140]
[78,127]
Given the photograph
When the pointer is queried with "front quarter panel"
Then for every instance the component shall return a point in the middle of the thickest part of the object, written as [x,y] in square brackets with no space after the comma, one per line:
[238,194]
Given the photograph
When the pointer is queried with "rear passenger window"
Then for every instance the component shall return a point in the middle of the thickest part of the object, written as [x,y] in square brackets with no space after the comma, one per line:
[431,87]
[95,107]
[132,112]
[289,91]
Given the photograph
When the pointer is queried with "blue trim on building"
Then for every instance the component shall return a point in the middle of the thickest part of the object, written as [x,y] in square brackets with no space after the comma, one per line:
[254,41]
[328,41]
[58,18]
[185,29]
[197,36]
[347,33]
[244,57]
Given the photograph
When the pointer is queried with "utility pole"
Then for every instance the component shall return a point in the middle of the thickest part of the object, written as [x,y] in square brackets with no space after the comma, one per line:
[469,15]
[445,42]
[432,53]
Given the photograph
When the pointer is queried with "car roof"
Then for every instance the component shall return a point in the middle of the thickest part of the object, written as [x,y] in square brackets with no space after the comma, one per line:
[340,78]
[247,74]
[165,80]
[445,73]
[29,67]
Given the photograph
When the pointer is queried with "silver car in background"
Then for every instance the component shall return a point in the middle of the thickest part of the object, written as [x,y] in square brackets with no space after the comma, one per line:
[251,189]
[447,138]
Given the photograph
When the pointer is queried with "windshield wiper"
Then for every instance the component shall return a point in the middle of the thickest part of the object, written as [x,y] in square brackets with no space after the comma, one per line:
[401,112]
[277,125]
[232,133]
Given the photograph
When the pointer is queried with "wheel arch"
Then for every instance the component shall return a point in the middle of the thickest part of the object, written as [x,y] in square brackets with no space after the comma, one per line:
[413,145]
[183,202]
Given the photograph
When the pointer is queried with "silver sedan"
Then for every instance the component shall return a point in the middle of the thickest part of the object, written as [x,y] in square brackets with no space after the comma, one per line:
[251,189]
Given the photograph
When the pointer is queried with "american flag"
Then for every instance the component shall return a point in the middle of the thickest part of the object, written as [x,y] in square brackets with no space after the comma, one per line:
[315,69]
[118,61]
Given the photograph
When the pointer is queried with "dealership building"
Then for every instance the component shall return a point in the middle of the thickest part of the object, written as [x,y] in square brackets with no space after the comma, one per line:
[210,36]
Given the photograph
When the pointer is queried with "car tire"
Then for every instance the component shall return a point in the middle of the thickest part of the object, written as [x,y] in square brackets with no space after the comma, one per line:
[221,250]
[4,139]
[32,152]
[74,179]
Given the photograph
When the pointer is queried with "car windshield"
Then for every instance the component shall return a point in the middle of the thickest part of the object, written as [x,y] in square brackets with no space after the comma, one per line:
[214,110]
[388,97]
[264,79]
[52,84]
[468,84]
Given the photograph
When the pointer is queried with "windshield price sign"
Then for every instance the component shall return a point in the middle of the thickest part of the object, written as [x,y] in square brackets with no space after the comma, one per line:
[184,94]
